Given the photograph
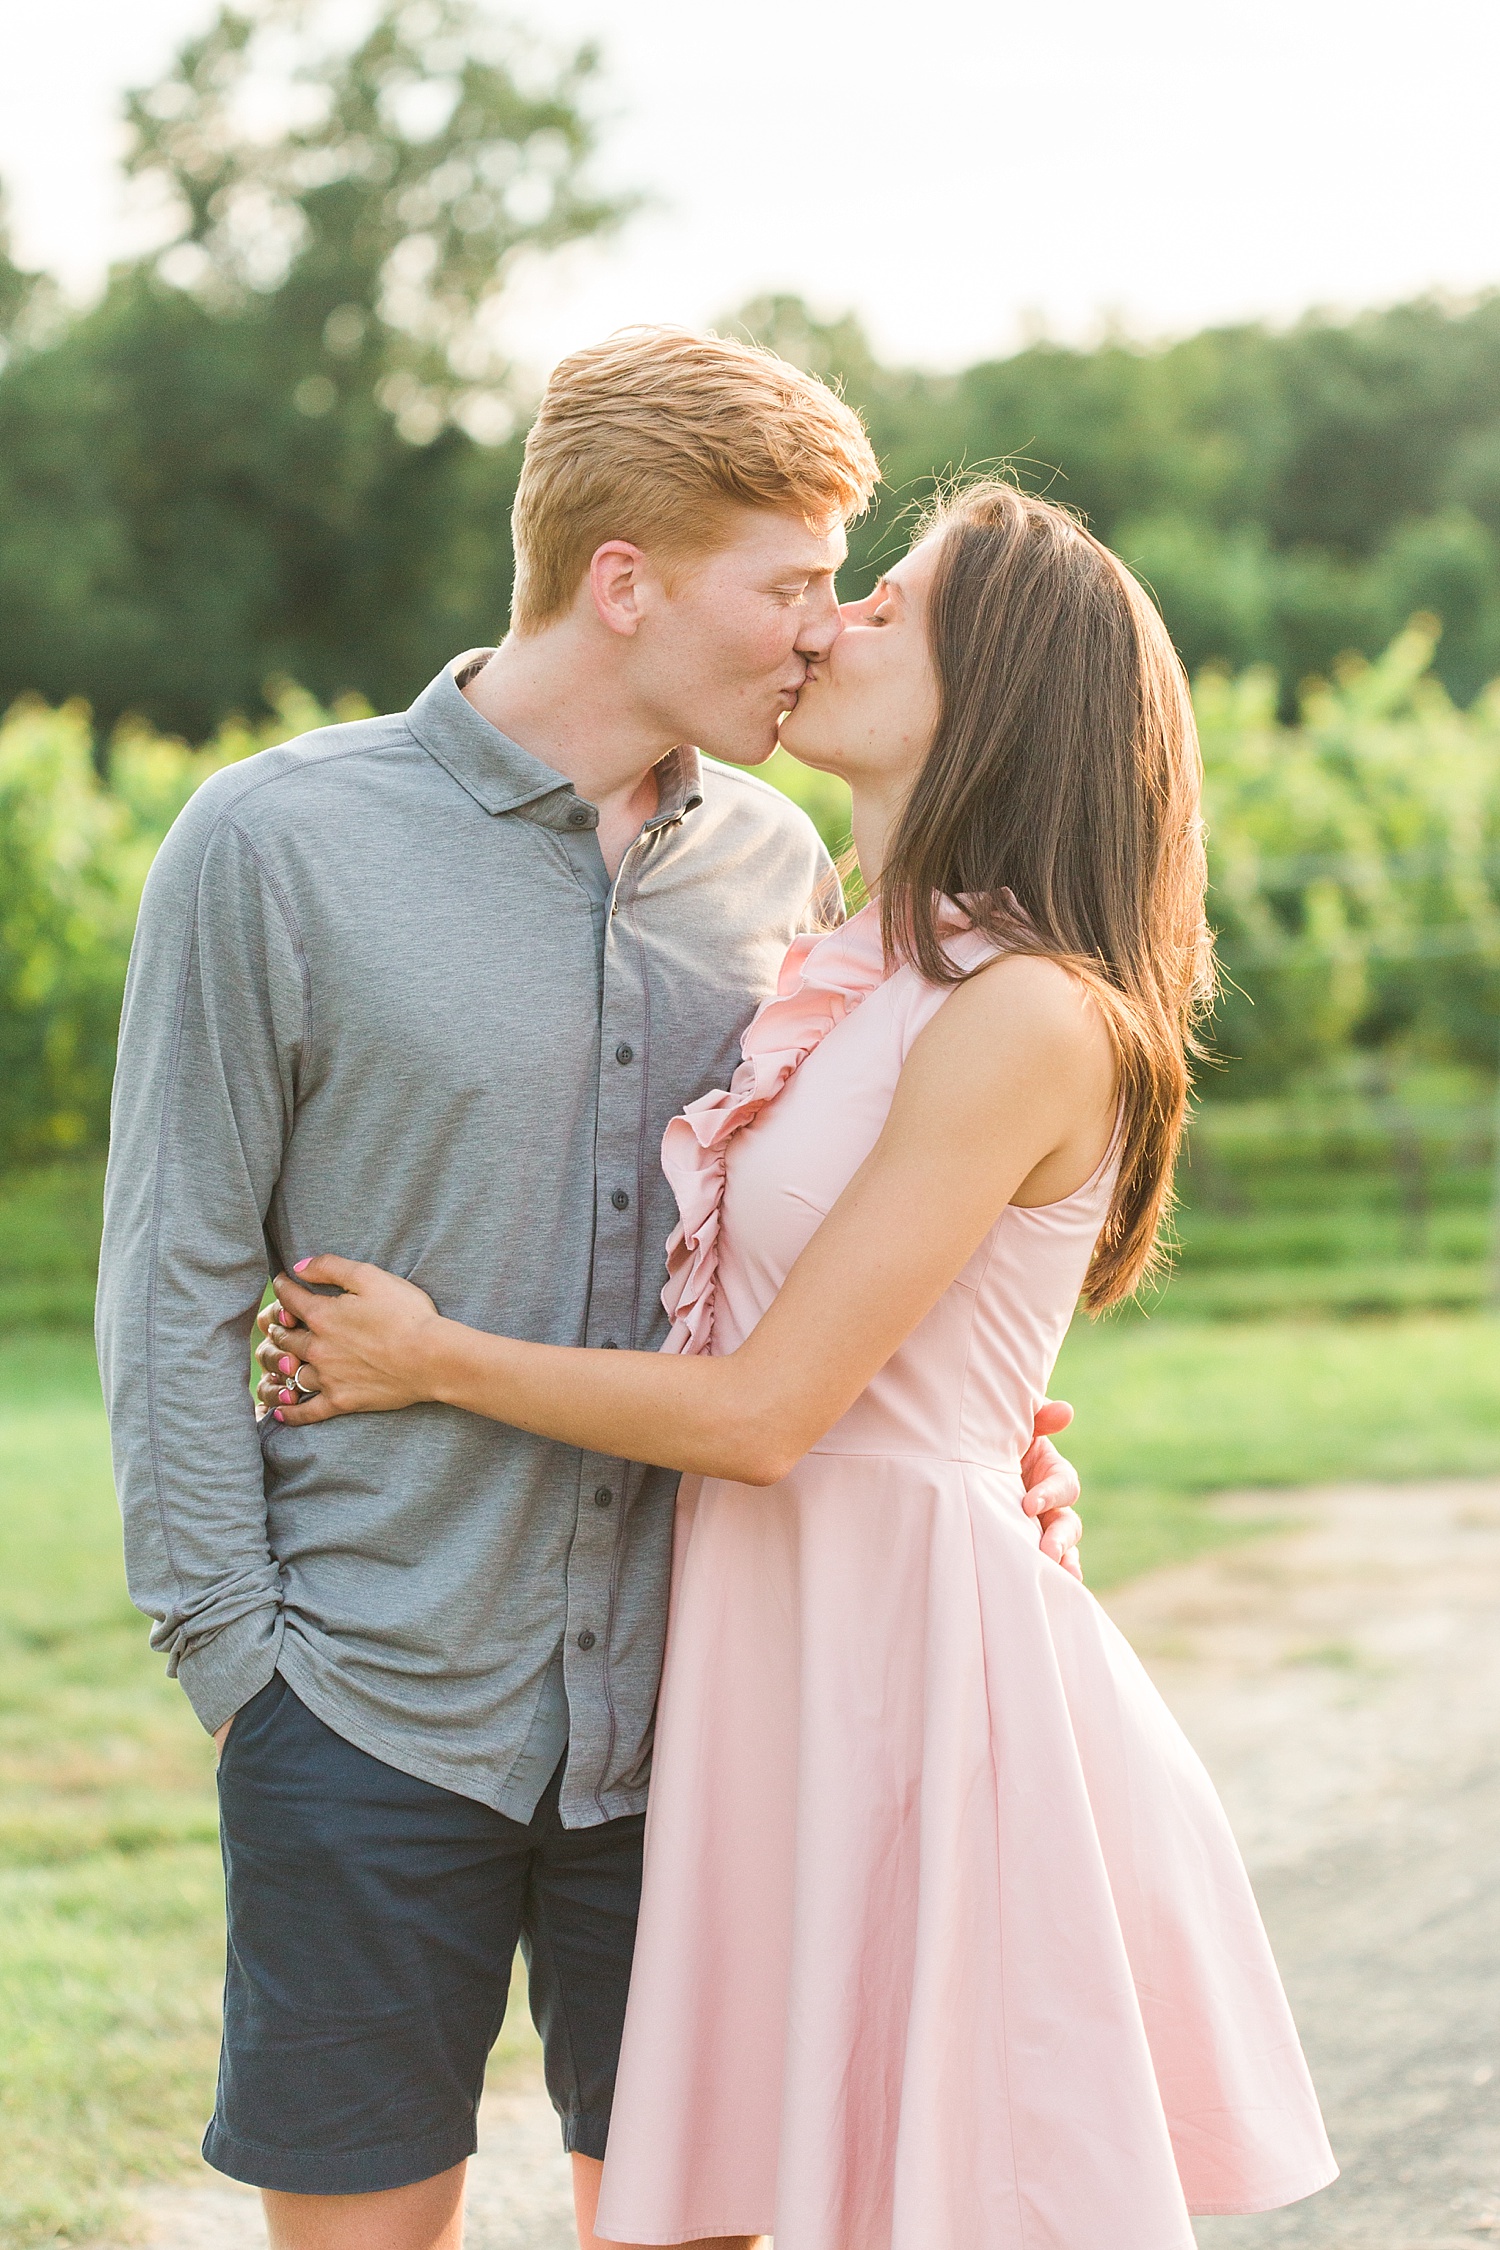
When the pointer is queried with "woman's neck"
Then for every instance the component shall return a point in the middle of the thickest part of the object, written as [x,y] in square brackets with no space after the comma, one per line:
[875,808]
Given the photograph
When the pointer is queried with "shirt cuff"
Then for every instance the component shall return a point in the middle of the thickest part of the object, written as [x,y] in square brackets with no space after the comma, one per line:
[221,1674]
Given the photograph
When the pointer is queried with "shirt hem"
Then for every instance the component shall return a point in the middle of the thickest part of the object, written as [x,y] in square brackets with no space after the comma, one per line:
[411,1759]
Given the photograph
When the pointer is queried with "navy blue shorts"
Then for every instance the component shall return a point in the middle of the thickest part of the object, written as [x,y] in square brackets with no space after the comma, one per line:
[373,1922]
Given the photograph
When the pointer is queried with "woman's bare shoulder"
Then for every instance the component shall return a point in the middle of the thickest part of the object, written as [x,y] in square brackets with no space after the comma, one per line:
[1022,1032]
[1023,999]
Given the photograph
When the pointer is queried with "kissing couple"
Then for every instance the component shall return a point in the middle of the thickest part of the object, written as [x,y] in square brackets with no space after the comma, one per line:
[447,1022]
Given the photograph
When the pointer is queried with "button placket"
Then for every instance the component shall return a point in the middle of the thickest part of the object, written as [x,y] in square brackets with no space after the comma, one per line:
[605,1485]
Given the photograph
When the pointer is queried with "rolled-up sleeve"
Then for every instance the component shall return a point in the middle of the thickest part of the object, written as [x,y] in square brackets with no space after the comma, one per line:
[212,1039]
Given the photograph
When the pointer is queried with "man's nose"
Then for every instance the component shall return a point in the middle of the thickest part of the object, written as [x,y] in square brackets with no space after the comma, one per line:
[822,623]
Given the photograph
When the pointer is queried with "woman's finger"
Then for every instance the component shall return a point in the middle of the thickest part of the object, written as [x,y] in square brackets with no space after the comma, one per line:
[315,1410]
[287,1383]
[301,1303]
[297,1292]
[275,1357]
[323,1270]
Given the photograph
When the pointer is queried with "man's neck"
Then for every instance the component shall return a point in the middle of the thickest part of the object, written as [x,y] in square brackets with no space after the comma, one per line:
[546,694]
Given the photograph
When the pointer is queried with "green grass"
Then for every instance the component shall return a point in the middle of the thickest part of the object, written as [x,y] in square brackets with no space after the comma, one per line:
[1172,1411]
[111,1902]
[1339,1201]
[109,1881]
[49,1245]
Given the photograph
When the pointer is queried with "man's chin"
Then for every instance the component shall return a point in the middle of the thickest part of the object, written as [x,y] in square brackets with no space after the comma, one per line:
[742,753]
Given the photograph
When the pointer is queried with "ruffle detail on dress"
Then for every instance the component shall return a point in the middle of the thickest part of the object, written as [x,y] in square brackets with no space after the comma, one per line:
[824,976]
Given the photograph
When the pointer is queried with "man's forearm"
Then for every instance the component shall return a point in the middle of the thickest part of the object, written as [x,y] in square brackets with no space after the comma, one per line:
[196,1136]
[187,1470]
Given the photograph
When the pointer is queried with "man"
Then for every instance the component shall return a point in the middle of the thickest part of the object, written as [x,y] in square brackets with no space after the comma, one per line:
[426,990]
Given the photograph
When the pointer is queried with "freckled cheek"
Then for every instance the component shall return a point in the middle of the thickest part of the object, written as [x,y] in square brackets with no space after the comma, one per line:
[766,664]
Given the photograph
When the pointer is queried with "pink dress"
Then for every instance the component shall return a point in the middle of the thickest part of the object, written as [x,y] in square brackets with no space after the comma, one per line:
[945,1943]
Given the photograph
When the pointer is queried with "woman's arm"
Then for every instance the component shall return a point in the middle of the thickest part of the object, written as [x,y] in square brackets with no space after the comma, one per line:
[1008,1093]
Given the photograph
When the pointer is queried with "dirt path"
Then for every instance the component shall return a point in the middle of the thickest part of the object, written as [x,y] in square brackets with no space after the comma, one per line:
[1342,1679]
[519,2195]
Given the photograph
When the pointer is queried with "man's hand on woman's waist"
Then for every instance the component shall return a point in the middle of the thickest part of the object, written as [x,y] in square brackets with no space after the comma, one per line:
[1050,1482]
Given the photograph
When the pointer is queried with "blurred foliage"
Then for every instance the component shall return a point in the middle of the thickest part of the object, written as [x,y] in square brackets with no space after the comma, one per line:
[1354,857]
[1290,494]
[283,444]
[1354,866]
[74,851]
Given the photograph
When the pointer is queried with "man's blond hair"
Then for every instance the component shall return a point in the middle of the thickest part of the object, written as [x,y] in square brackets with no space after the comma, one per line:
[656,436]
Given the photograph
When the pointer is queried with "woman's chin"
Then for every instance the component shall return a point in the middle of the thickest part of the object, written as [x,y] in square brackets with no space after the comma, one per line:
[800,741]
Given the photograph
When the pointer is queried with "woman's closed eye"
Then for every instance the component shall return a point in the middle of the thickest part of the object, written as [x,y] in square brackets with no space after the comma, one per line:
[884,603]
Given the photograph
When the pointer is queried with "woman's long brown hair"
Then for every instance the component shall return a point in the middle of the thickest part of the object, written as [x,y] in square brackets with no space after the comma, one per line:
[1065,777]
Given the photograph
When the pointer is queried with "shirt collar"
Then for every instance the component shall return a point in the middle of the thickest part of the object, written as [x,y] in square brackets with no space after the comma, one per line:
[504,778]
[679,782]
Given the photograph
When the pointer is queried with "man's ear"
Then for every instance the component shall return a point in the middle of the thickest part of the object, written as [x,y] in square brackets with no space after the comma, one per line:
[618,574]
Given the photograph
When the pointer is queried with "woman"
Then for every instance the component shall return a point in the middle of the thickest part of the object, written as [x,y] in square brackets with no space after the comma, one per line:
[945,1944]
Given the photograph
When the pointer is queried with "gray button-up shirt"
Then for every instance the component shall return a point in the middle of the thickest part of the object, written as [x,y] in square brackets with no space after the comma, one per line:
[384,1001]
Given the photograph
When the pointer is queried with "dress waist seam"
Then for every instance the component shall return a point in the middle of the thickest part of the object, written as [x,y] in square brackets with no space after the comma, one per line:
[1010,1468]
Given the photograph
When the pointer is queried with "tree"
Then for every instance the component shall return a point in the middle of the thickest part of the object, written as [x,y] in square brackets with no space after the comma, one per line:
[1289,495]
[28,301]
[376,227]
[282,445]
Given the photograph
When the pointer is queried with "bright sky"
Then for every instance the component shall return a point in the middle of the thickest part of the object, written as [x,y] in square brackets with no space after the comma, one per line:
[953,170]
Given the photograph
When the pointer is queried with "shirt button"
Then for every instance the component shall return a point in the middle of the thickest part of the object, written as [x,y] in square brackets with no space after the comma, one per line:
[603,1498]
[579,817]
[624,1054]
[620,1200]
[585,1639]
[611,1346]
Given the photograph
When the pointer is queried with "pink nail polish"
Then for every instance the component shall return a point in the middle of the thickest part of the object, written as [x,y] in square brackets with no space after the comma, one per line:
[302,1265]
[286,1398]
[277,1415]
[284,1365]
